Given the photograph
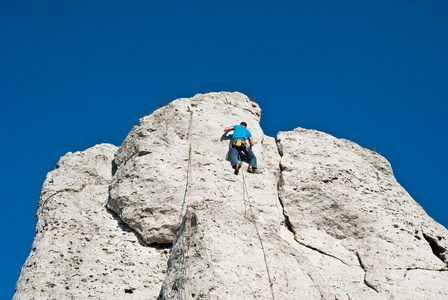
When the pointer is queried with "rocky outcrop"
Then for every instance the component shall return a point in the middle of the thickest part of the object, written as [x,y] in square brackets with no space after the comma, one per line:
[163,216]
[81,249]
[344,204]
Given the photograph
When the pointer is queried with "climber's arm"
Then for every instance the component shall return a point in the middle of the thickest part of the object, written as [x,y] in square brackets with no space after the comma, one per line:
[251,141]
[227,129]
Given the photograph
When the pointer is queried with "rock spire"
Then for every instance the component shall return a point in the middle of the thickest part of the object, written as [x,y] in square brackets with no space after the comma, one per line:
[164,217]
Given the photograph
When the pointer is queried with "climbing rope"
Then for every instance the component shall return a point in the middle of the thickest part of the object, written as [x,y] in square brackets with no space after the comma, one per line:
[187,236]
[245,192]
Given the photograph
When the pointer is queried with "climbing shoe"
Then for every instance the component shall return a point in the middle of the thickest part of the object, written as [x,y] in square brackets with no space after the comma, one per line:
[237,168]
[251,170]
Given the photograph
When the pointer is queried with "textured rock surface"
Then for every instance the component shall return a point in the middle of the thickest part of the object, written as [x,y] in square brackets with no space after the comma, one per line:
[226,257]
[322,219]
[343,202]
[81,250]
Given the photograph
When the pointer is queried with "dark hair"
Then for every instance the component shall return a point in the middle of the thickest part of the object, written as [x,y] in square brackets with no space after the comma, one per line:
[243,124]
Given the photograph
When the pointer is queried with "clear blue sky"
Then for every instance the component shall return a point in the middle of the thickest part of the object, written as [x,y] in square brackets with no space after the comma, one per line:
[78,73]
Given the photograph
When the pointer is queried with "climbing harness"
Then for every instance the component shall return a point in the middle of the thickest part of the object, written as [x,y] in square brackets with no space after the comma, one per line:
[239,143]
[187,235]
[252,219]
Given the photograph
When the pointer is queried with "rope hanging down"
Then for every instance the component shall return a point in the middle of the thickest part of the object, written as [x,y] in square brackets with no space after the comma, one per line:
[187,236]
[271,284]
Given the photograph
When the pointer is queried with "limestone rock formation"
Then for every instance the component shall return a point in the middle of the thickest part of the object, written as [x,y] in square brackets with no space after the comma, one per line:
[81,250]
[164,217]
[344,204]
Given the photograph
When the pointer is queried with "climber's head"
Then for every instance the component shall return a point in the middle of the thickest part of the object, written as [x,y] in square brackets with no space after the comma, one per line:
[243,124]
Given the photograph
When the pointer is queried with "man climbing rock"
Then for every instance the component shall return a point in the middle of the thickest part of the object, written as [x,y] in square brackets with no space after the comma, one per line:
[239,144]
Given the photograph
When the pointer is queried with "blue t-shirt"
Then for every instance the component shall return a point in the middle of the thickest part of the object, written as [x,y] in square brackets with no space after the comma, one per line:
[241,132]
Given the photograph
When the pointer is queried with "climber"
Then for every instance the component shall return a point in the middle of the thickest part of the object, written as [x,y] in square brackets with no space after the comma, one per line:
[239,144]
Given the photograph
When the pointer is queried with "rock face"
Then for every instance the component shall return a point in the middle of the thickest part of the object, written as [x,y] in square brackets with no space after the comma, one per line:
[163,216]
[81,250]
[344,204]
